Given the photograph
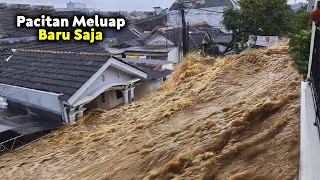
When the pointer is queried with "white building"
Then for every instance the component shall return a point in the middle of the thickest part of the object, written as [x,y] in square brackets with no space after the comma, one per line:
[204,11]
[65,84]
[76,6]
[157,70]
[310,5]
[151,46]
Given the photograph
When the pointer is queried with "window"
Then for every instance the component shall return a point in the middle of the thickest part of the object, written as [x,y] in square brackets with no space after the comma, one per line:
[164,79]
[103,98]
[119,94]
[103,78]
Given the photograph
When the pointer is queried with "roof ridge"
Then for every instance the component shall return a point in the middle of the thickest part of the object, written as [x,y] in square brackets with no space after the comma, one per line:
[64,52]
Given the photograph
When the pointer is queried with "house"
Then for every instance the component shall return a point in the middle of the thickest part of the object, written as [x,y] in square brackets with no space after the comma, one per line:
[72,77]
[220,38]
[158,71]
[202,11]
[153,22]
[114,37]
[152,45]
[197,40]
[165,44]
[64,83]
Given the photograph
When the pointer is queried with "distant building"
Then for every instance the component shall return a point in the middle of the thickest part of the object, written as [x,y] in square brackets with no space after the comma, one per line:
[310,5]
[203,11]
[297,6]
[152,45]
[62,84]
[76,6]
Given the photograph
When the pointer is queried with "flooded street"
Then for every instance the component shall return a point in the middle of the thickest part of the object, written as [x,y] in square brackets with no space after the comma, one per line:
[232,118]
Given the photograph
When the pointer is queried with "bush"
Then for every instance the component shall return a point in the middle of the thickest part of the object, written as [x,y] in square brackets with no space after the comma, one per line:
[299,44]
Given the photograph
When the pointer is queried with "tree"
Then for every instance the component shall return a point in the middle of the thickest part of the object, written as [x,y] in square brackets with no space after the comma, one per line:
[300,39]
[232,22]
[258,17]
[266,17]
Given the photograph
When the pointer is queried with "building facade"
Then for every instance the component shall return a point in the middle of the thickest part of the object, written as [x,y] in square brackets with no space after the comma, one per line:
[204,11]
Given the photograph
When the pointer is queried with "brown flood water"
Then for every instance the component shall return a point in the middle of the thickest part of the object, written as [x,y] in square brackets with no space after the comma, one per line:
[235,118]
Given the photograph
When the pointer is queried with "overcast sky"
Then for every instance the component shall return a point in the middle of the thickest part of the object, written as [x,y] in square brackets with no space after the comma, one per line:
[108,4]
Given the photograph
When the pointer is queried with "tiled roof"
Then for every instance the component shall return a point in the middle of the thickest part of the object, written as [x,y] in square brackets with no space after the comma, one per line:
[153,71]
[72,46]
[151,23]
[122,36]
[8,20]
[52,72]
[216,34]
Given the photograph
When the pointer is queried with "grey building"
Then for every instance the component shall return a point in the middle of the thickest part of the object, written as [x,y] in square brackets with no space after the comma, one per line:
[310,5]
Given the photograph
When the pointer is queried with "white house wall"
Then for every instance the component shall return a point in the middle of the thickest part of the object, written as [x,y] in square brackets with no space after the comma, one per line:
[112,100]
[174,55]
[168,66]
[196,16]
[147,87]
[110,77]
[32,98]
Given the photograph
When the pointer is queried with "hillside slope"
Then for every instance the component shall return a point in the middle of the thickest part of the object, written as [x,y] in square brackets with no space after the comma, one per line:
[235,118]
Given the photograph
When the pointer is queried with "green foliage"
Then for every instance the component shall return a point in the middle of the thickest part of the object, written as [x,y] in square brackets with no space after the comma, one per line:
[231,18]
[300,42]
[259,17]
[271,17]
[301,22]
[266,17]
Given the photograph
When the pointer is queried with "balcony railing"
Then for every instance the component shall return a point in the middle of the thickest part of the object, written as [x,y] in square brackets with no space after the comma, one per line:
[315,76]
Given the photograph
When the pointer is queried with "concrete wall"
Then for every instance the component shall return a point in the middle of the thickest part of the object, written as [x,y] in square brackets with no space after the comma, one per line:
[32,98]
[309,138]
[168,66]
[111,100]
[147,87]
[174,55]
[196,16]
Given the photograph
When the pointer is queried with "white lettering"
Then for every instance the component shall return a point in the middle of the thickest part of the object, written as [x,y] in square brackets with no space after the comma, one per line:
[20,20]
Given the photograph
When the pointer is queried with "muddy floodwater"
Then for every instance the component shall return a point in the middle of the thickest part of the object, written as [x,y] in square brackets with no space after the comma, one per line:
[233,118]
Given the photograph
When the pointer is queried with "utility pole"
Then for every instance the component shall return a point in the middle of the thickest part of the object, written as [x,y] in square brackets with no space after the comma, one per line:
[184,31]
[188,37]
